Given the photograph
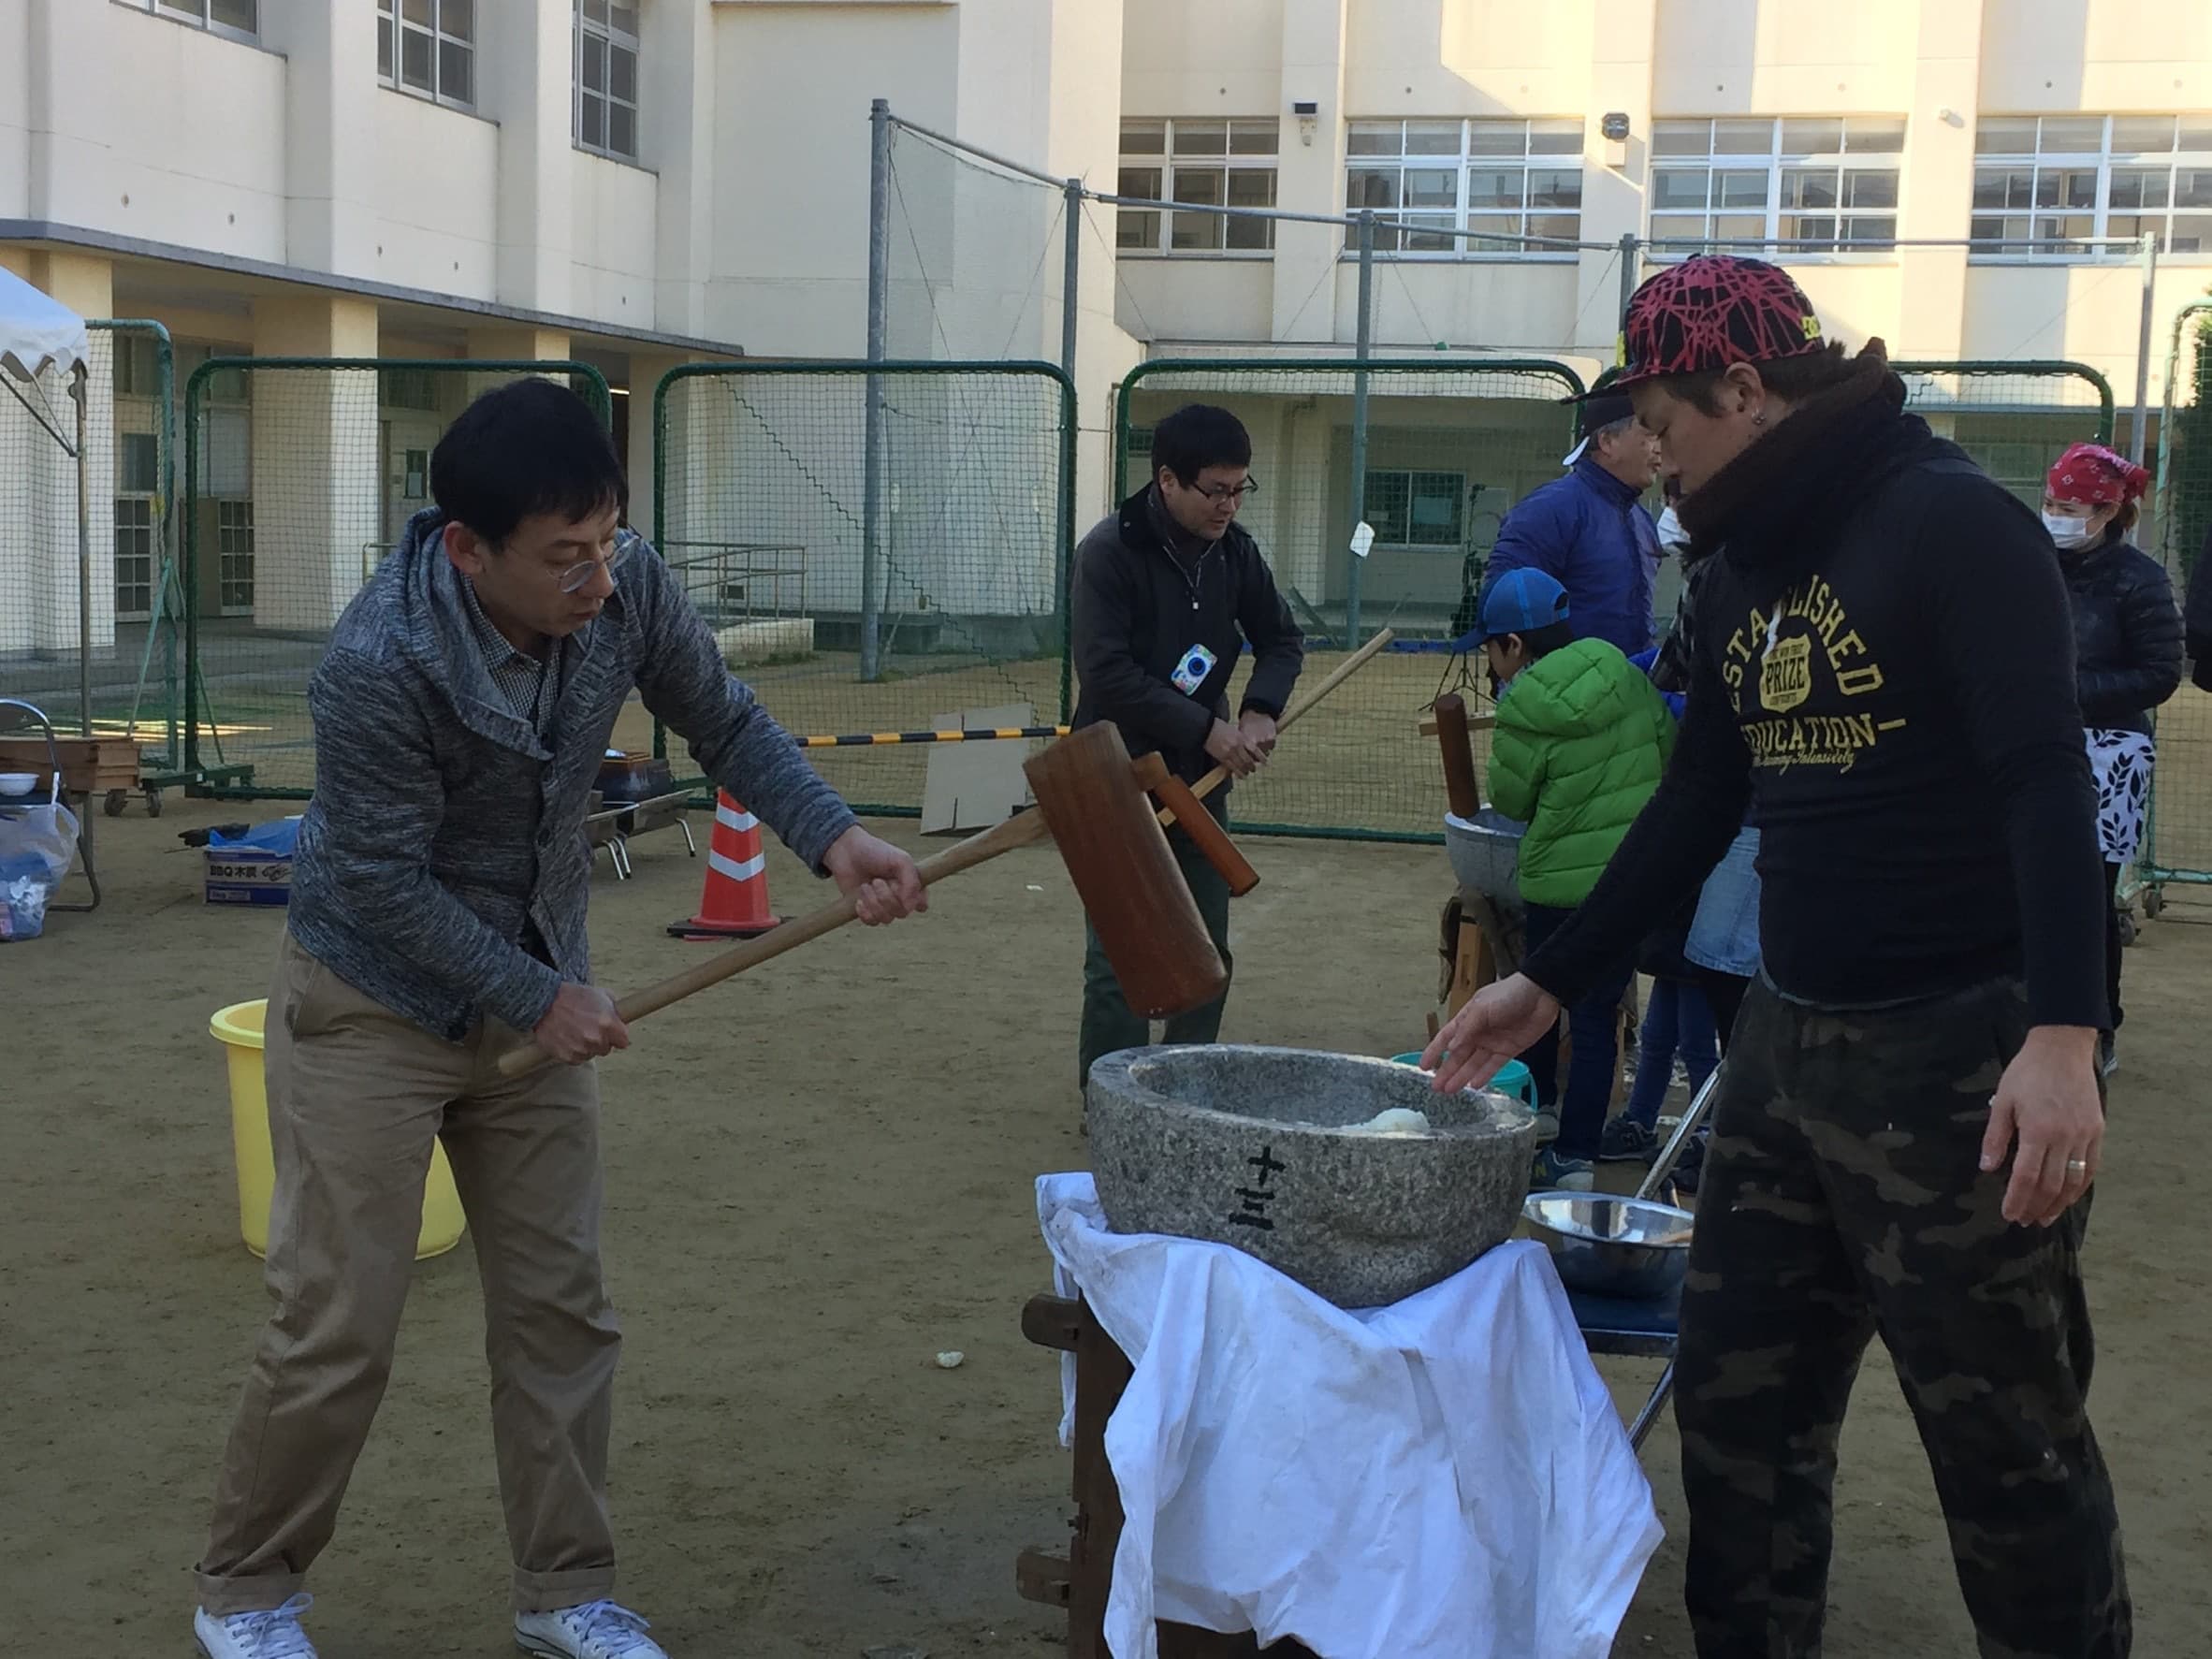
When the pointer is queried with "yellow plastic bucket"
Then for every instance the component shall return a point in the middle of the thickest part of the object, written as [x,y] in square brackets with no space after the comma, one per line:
[238,1029]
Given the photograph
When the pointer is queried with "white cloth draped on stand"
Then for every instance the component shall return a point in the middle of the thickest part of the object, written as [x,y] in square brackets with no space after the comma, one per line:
[1444,1478]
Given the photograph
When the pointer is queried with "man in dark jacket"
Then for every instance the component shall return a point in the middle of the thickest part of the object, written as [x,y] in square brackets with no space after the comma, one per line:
[1588,531]
[1169,591]
[1884,670]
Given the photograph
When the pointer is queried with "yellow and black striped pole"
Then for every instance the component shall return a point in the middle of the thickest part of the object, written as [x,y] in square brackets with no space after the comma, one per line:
[974,735]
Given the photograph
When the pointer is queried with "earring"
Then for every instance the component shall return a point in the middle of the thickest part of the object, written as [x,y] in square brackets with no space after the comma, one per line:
[1760,417]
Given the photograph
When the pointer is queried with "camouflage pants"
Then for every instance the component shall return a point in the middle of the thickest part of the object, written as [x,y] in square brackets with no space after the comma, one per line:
[1843,1198]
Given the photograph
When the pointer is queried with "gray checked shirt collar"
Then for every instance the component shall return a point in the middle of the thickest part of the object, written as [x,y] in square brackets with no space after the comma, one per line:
[528,683]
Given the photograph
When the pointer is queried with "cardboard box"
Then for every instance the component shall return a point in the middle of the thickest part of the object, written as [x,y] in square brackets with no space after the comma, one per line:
[248,876]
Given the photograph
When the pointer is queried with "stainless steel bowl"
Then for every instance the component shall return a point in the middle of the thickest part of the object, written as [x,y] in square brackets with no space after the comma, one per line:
[1611,1246]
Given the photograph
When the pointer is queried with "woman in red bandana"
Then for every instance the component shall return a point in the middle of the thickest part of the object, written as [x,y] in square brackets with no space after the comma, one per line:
[2127,646]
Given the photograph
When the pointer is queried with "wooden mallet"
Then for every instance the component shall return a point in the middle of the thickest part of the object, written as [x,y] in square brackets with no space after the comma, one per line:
[1092,799]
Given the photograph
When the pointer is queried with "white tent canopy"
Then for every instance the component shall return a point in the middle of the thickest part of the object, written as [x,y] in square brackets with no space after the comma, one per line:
[38,332]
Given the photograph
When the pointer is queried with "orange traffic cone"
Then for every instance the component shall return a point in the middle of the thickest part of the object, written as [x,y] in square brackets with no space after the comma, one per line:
[735,903]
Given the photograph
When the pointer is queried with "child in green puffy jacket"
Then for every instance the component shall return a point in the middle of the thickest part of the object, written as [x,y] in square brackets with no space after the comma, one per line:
[1581,741]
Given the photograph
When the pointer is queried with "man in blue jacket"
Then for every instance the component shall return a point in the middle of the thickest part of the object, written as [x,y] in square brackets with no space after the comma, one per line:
[1589,532]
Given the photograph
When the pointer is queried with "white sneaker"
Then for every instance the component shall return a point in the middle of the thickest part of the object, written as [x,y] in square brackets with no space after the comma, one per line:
[272,1634]
[596,1630]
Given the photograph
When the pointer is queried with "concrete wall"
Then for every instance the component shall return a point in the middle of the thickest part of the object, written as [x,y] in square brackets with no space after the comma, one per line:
[1936,62]
[289,151]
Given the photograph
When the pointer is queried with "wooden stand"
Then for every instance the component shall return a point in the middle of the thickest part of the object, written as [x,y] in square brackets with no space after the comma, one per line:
[1082,1580]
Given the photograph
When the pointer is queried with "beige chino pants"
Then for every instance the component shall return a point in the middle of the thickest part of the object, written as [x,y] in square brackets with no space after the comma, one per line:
[357,1096]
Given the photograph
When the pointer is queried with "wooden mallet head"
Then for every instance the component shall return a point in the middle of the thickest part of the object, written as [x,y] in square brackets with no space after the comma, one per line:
[1093,802]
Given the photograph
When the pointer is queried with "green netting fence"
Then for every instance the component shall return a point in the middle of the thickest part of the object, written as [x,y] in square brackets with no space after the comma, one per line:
[1448,450]
[2177,851]
[878,548]
[299,475]
[2015,418]
[48,614]
[133,671]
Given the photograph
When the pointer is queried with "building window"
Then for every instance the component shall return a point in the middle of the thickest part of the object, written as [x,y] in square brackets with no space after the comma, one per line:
[1205,163]
[429,47]
[2045,184]
[234,546]
[134,557]
[240,20]
[408,388]
[136,373]
[1422,510]
[607,77]
[1827,184]
[1499,182]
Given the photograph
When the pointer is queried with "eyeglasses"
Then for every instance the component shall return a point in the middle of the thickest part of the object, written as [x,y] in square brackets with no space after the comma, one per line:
[573,578]
[1229,493]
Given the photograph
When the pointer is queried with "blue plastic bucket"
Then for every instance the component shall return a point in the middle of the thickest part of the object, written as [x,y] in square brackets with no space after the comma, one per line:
[1512,1079]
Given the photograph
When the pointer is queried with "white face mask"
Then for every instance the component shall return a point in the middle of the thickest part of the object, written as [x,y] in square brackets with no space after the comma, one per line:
[2068,533]
[1671,533]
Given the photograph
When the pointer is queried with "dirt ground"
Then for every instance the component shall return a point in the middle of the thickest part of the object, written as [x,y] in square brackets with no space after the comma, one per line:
[819,1177]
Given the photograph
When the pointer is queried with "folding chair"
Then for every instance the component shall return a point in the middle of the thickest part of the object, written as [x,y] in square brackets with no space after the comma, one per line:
[1646,1330]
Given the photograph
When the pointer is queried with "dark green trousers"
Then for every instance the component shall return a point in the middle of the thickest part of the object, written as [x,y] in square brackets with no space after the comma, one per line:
[1842,1201]
[1107,1026]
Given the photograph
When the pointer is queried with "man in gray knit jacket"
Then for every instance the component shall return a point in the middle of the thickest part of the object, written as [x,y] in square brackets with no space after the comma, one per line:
[437,922]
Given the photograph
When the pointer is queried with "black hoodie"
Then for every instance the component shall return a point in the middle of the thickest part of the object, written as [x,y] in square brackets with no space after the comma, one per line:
[1140,603]
[1883,668]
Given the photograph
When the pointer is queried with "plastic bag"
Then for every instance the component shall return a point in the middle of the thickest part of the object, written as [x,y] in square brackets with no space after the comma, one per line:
[38,845]
[281,837]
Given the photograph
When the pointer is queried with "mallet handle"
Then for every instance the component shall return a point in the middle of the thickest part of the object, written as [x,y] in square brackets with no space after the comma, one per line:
[1023,829]
[1344,670]
[1199,823]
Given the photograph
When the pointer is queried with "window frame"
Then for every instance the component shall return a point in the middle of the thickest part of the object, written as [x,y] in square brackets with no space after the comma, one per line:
[131,557]
[393,27]
[1410,542]
[181,12]
[1467,161]
[1776,163]
[612,39]
[1221,164]
[236,572]
[2104,161]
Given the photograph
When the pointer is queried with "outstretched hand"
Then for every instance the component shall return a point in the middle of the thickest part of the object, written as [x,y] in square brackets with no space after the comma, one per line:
[1498,1024]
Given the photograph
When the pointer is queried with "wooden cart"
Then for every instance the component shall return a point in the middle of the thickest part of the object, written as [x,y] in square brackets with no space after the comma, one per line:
[89,767]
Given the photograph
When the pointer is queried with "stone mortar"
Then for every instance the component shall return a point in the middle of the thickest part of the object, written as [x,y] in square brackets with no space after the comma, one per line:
[1244,1145]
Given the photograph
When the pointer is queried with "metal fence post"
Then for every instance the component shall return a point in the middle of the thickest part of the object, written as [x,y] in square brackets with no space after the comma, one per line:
[1629,264]
[1363,348]
[190,539]
[2150,273]
[1071,273]
[1064,555]
[81,390]
[872,511]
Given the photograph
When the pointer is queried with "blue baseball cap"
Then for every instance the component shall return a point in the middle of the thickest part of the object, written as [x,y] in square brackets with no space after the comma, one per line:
[1519,601]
